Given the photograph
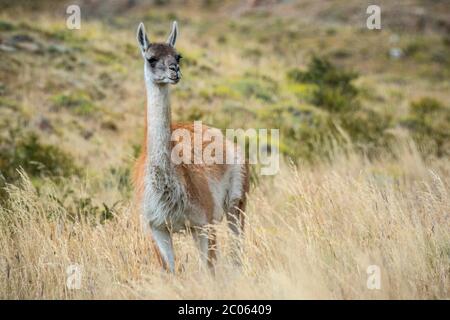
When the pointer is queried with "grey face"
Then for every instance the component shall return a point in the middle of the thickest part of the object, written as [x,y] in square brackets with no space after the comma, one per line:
[162,61]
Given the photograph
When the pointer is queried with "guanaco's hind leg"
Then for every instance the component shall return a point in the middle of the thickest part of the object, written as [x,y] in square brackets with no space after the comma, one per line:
[235,221]
[206,242]
[235,208]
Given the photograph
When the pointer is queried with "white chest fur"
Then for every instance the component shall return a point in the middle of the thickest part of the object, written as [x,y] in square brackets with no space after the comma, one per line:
[165,198]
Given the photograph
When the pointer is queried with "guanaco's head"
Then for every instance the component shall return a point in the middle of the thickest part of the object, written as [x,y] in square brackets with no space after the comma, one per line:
[162,61]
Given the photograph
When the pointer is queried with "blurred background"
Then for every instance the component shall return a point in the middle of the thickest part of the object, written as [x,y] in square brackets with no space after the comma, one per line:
[74,99]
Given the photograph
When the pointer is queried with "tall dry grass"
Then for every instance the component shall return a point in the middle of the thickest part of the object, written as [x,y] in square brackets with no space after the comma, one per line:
[312,231]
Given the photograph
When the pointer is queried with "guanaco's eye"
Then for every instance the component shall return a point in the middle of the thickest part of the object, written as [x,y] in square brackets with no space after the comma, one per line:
[178,57]
[152,61]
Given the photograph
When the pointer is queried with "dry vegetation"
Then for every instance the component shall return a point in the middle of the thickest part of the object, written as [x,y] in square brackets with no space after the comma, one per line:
[71,118]
[312,232]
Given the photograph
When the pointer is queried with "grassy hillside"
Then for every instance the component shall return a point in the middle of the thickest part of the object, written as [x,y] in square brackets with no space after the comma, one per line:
[347,100]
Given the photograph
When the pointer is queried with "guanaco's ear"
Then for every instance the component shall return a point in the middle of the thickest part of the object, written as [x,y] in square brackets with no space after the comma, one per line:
[142,38]
[173,34]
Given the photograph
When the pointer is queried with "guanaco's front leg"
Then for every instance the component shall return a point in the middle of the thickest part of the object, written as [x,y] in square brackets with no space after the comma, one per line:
[163,242]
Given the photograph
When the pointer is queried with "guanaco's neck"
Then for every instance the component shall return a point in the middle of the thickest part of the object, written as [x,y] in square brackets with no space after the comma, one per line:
[158,122]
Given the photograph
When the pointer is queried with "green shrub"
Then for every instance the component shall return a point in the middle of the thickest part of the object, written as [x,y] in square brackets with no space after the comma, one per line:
[6,26]
[304,130]
[78,102]
[193,114]
[67,36]
[19,149]
[233,114]
[429,123]
[24,150]
[105,57]
[367,128]
[332,99]
[121,179]
[259,87]
[83,207]
[335,91]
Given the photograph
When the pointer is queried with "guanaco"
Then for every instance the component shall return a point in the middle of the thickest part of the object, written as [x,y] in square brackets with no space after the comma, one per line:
[173,196]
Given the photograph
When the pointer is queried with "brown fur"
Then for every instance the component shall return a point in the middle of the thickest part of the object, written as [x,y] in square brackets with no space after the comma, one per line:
[195,179]
[158,50]
[193,175]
